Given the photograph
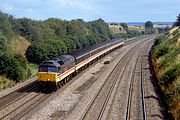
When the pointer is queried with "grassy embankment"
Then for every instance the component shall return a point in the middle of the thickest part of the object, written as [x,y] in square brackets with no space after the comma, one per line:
[166,60]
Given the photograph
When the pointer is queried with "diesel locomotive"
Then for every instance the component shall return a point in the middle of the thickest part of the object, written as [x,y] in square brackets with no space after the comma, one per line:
[57,71]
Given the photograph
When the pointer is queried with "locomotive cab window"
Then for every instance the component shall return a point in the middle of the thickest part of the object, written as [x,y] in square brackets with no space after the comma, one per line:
[61,62]
[47,69]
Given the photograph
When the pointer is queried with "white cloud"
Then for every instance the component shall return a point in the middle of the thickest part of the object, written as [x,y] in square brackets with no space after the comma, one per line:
[6,6]
[78,4]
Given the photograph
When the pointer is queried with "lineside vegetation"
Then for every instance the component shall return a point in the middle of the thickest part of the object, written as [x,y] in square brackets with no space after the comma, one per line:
[166,60]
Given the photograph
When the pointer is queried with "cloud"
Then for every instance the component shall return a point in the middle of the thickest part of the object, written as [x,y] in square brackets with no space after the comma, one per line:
[6,6]
[78,4]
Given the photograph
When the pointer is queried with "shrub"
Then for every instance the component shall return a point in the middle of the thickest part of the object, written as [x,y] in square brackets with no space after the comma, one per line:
[160,50]
[169,58]
[159,40]
[171,74]
[5,83]
[3,44]
[11,67]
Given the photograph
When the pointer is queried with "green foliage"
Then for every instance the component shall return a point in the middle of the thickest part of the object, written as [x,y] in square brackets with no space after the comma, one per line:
[12,67]
[166,53]
[99,27]
[3,44]
[76,28]
[58,26]
[171,74]
[55,37]
[5,83]
[169,58]
[5,24]
[125,26]
[38,52]
[160,50]
[133,33]
[177,23]
[149,31]
[148,24]
[159,40]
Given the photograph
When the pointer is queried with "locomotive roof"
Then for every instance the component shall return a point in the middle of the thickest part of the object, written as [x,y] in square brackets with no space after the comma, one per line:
[63,58]
[51,63]
[80,52]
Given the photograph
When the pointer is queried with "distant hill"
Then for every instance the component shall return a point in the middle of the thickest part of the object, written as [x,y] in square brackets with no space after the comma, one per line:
[142,23]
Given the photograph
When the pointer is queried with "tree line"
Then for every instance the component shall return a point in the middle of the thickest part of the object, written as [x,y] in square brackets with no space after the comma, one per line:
[48,38]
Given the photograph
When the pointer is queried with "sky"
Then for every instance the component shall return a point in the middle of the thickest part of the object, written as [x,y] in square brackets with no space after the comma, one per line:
[108,10]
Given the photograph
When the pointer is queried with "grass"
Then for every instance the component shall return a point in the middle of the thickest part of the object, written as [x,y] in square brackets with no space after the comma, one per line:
[117,29]
[166,54]
[6,83]
[19,45]
[138,28]
[33,69]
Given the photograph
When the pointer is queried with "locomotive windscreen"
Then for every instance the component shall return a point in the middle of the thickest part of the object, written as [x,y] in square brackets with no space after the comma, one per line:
[47,69]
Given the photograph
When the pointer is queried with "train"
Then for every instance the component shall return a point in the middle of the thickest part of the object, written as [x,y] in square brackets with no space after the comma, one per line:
[54,73]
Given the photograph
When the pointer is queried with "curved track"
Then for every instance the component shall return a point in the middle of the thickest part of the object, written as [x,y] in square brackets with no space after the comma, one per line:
[98,103]
[137,88]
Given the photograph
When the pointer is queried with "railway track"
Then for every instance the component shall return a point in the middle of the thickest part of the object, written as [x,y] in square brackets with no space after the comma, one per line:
[136,107]
[22,105]
[98,103]
[15,96]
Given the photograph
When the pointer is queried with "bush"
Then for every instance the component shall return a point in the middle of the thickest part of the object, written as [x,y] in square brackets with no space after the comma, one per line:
[159,40]
[169,58]
[3,44]
[11,67]
[38,52]
[160,50]
[5,83]
[171,74]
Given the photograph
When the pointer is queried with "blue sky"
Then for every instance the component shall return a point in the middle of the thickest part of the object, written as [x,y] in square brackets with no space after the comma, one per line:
[109,10]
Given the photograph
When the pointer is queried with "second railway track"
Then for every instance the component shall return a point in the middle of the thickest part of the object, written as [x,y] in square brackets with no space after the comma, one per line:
[136,104]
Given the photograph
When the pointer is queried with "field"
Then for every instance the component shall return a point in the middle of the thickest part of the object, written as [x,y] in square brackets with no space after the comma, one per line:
[138,28]
[116,29]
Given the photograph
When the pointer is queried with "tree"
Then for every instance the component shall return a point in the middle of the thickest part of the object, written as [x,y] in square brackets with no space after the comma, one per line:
[5,24]
[125,26]
[3,44]
[148,24]
[177,23]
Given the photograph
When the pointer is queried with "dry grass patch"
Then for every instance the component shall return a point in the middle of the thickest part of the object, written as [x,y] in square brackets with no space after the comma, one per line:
[138,28]
[116,29]
[5,83]
[19,44]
